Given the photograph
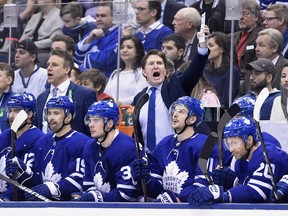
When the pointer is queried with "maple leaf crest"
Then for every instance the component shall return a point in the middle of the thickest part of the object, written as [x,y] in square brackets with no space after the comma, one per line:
[49,174]
[173,178]
[3,184]
[98,181]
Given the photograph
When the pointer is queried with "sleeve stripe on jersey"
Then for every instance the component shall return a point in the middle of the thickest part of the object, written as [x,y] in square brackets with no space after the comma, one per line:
[76,175]
[156,176]
[259,191]
[198,184]
[260,183]
[127,197]
[86,183]
[199,177]
[126,186]
[73,182]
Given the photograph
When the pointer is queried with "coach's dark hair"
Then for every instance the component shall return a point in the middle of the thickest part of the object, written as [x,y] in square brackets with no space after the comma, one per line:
[154,52]
[66,56]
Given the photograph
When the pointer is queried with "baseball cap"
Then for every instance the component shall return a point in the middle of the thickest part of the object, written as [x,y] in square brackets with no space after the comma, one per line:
[29,46]
[263,65]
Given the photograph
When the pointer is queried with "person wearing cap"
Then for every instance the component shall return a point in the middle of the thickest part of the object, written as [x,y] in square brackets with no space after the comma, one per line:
[29,77]
[263,72]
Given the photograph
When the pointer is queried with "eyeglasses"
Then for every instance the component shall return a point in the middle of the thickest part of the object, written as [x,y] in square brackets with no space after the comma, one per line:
[270,18]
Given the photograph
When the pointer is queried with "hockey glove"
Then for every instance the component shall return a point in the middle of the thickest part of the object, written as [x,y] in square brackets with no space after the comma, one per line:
[16,167]
[281,192]
[224,177]
[140,169]
[205,195]
[167,197]
[48,189]
[93,195]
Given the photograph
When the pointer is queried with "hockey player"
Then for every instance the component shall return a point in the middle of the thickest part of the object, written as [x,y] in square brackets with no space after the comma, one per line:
[59,164]
[19,166]
[254,177]
[107,157]
[174,161]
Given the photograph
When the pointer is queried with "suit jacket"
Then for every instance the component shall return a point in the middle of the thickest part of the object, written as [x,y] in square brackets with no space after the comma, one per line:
[279,66]
[180,84]
[82,97]
[171,8]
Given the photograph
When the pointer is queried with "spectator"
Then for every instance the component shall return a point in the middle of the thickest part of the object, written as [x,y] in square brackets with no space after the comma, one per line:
[75,25]
[98,48]
[131,80]
[6,78]
[276,16]
[42,27]
[19,164]
[151,31]
[59,68]
[217,71]
[95,80]
[173,46]
[63,42]
[59,165]
[75,73]
[263,71]
[107,158]
[269,45]
[214,14]
[169,9]
[165,92]
[29,77]
[244,40]
[186,23]
[26,8]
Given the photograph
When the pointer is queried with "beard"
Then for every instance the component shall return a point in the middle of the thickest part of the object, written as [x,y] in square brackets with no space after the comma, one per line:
[258,87]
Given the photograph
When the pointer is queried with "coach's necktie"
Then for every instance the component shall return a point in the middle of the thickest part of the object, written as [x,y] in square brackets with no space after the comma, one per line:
[151,136]
[54,92]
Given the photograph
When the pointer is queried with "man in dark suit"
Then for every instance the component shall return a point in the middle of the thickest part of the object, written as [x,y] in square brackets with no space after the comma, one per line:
[169,9]
[59,68]
[166,91]
[269,45]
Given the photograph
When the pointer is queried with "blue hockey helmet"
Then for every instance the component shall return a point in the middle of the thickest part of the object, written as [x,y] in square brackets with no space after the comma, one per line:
[25,101]
[106,109]
[246,105]
[63,102]
[242,126]
[194,107]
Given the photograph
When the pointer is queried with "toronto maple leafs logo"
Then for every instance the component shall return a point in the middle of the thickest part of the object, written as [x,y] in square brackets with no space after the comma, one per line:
[49,174]
[173,178]
[3,184]
[100,185]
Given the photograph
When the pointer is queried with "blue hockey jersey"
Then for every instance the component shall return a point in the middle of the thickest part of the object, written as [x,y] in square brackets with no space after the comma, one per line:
[174,166]
[60,160]
[107,169]
[24,150]
[254,176]
[100,53]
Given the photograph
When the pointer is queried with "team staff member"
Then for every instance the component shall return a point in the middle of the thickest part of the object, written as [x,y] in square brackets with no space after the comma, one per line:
[166,91]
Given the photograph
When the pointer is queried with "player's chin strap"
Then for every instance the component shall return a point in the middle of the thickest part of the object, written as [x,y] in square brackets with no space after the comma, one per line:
[186,125]
[63,125]
[106,133]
